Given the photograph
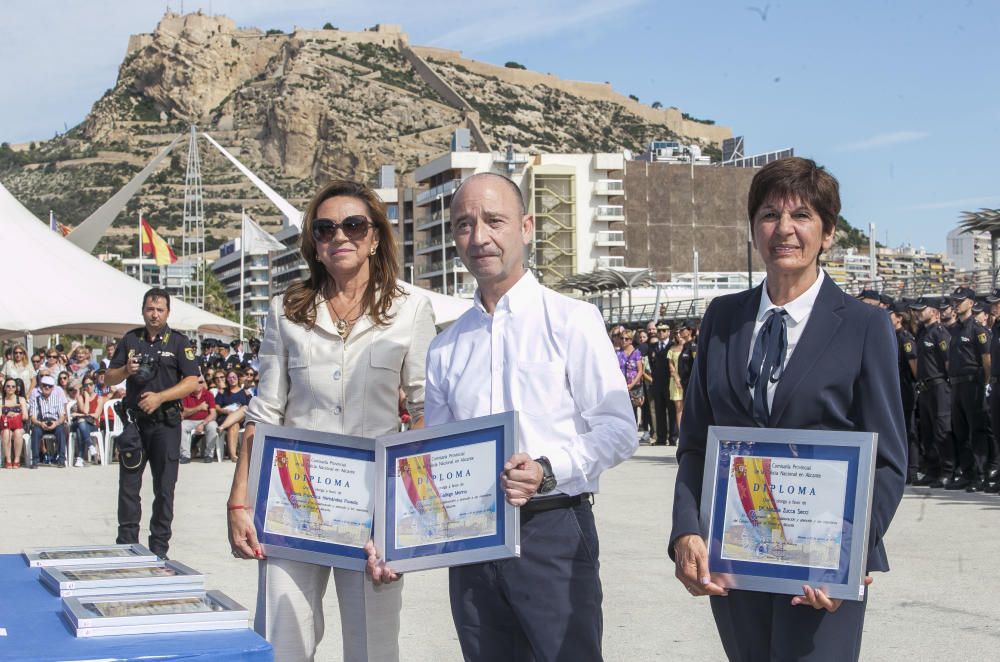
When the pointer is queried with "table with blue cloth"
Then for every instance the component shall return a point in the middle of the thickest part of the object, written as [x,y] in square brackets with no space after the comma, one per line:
[37,630]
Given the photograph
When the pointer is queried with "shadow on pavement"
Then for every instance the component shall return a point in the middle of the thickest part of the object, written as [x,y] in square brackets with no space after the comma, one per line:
[954,498]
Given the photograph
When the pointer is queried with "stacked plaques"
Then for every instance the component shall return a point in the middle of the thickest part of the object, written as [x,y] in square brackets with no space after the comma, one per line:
[151,577]
[40,557]
[148,613]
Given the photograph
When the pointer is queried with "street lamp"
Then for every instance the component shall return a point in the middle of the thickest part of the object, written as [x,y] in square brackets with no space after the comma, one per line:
[444,249]
[455,264]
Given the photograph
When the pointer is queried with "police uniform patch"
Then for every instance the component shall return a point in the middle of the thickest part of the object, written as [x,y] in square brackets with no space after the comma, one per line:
[189,353]
[981,338]
[907,347]
[943,345]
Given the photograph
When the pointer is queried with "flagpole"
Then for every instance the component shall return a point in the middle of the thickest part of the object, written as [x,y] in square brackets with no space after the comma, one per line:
[140,246]
[243,251]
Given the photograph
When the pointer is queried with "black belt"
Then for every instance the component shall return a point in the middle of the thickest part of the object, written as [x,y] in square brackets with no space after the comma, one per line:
[541,504]
[924,383]
[962,379]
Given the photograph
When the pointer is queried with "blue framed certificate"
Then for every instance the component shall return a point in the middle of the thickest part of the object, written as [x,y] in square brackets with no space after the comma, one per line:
[439,501]
[783,508]
[312,495]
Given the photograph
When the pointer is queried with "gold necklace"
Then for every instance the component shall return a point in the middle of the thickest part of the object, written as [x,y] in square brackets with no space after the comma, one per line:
[342,324]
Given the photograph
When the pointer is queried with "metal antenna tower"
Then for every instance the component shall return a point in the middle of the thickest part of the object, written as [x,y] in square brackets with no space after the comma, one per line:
[194,226]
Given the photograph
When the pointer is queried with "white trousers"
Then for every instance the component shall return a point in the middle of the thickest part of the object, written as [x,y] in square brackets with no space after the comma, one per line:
[290,611]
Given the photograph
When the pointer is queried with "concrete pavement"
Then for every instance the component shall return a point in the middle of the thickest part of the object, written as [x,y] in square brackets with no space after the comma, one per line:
[938,603]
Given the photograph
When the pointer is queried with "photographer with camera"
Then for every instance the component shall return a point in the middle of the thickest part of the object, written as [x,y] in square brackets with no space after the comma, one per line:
[160,368]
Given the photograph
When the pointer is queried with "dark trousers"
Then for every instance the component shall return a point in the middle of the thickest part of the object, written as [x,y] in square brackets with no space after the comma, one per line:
[544,606]
[969,421]
[647,410]
[36,442]
[760,627]
[913,443]
[994,450]
[161,446]
[936,445]
[661,405]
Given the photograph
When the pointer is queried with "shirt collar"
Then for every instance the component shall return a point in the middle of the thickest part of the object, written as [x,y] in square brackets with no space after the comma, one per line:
[517,298]
[798,308]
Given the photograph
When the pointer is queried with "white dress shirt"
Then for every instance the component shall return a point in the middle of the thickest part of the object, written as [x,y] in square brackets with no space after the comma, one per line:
[798,311]
[549,358]
[314,379]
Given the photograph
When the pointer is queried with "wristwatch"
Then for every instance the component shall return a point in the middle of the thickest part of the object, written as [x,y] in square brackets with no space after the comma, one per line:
[548,478]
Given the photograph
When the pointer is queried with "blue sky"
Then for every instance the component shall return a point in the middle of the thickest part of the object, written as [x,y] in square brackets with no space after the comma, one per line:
[899,99]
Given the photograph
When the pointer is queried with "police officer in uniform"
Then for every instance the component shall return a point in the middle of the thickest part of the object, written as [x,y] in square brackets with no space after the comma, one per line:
[907,367]
[160,368]
[969,368]
[993,474]
[659,366]
[934,396]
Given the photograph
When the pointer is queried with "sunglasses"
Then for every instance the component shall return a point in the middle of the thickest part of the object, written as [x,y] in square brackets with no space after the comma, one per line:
[46,386]
[18,353]
[354,227]
[38,360]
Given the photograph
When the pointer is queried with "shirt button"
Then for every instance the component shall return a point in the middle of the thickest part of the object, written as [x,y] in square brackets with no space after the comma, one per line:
[336,375]
[337,409]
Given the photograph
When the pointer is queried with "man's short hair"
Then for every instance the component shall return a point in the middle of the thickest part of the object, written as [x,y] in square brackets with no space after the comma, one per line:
[156,293]
[511,184]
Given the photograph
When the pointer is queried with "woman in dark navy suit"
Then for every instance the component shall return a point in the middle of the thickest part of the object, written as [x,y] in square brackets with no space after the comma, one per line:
[833,369]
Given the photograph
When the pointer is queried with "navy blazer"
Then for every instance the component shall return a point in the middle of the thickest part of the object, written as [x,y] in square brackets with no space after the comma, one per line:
[841,376]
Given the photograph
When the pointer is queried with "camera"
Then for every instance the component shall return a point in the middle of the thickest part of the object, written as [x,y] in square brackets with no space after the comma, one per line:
[148,364]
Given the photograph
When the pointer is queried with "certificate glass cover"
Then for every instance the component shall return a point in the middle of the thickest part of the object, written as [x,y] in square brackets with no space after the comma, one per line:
[153,612]
[88,555]
[783,508]
[121,579]
[312,495]
[440,502]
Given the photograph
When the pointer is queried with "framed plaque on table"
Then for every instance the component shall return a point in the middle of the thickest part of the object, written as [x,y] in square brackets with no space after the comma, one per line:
[312,495]
[783,508]
[88,580]
[40,557]
[439,498]
[149,613]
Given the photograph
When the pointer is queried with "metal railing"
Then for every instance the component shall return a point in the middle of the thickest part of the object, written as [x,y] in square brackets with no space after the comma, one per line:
[675,310]
[444,189]
[912,287]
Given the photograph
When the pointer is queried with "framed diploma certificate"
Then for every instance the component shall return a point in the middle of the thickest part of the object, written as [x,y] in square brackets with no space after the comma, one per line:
[783,508]
[312,495]
[150,613]
[439,500]
[40,557]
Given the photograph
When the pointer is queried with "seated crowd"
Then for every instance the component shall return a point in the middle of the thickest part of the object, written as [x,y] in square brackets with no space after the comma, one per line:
[54,394]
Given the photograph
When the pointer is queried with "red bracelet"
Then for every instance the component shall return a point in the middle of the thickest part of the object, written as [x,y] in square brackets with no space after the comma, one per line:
[232,508]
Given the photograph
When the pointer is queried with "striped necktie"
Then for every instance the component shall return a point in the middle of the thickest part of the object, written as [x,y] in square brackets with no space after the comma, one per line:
[767,361]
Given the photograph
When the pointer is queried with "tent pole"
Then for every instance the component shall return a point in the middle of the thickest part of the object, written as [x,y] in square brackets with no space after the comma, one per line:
[140,246]
[243,252]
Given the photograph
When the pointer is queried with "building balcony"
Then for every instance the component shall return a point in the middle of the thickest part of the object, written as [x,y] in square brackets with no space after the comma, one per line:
[431,245]
[609,238]
[434,220]
[609,213]
[466,290]
[609,187]
[441,190]
[433,269]
[610,262]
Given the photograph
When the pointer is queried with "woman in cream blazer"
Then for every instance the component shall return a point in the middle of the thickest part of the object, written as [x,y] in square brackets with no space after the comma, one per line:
[336,351]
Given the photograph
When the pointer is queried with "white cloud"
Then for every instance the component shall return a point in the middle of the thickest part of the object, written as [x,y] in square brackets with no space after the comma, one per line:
[883,140]
[489,29]
[967,203]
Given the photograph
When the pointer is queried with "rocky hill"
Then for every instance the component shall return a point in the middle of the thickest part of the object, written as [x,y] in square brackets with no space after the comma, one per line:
[301,108]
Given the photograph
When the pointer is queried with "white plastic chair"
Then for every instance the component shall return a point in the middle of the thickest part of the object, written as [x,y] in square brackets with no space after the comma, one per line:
[71,438]
[115,430]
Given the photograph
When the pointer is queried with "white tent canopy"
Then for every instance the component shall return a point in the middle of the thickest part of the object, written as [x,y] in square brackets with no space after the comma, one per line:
[447,308]
[53,286]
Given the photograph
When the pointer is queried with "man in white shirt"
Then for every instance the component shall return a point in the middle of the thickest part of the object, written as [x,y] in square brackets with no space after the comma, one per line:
[526,348]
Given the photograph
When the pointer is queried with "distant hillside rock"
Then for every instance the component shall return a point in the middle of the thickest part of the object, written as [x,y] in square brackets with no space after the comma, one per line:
[305,107]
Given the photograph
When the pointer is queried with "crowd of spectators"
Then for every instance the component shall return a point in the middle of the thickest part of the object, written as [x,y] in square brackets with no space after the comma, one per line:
[54,393]
[656,360]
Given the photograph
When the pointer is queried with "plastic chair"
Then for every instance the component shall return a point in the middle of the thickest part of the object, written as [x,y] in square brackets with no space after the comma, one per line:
[116,428]
[70,406]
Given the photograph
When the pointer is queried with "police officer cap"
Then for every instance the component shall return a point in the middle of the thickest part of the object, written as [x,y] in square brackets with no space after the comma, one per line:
[869,294]
[978,308]
[961,293]
[901,306]
[886,300]
[234,344]
[918,304]
[994,296]
[662,326]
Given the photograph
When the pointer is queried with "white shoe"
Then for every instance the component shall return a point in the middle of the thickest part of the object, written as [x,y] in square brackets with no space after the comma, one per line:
[78,462]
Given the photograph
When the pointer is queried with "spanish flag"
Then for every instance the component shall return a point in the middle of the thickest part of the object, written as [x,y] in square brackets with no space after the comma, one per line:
[418,481]
[753,484]
[153,244]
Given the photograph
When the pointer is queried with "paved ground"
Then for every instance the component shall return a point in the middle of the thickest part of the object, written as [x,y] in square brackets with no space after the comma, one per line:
[938,603]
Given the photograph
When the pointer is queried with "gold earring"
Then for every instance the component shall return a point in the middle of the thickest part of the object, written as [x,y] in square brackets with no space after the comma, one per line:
[372,253]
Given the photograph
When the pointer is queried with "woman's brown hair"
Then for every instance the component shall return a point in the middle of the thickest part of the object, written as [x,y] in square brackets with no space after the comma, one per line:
[300,298]
[795,177]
